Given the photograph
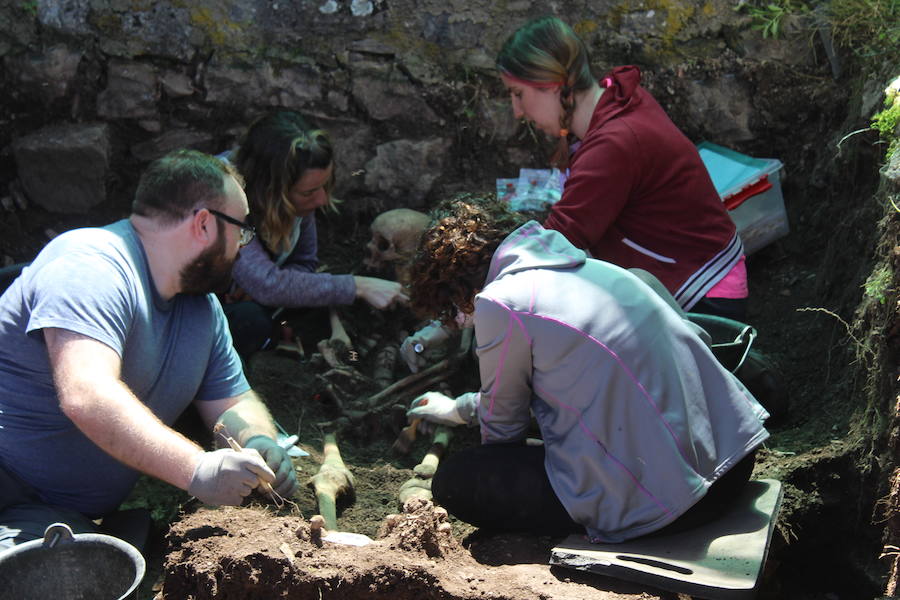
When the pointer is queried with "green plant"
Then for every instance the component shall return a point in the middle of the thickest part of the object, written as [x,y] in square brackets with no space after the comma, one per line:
[30,7]
[869,28]
[878,284]
[887,121]
[769,18]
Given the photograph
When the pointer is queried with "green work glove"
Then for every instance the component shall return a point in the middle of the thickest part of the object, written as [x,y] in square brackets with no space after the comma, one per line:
[226,477]
[277,458]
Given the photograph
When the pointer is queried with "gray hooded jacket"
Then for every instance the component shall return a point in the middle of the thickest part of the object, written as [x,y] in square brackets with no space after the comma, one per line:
[637,416]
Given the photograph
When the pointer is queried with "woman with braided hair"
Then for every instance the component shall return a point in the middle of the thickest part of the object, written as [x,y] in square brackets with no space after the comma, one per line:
[637,193]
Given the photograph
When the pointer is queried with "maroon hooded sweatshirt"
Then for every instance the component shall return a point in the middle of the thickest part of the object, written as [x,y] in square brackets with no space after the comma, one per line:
[638,195]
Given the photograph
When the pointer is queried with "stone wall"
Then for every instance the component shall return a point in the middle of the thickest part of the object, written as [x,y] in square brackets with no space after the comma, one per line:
[97,88]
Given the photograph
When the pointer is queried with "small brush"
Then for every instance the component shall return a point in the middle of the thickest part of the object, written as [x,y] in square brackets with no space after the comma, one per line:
[407,437]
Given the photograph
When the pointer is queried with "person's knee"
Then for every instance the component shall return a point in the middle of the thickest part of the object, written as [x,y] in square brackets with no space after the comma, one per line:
[445,481]
[250,325]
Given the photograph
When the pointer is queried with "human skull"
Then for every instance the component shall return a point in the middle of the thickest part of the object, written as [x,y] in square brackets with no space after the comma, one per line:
[395,237]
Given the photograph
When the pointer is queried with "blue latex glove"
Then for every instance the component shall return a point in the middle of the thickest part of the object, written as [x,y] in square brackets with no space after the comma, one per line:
[278,460]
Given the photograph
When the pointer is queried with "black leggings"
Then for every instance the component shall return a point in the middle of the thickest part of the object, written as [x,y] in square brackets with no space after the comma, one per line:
[730,308]
[504,487]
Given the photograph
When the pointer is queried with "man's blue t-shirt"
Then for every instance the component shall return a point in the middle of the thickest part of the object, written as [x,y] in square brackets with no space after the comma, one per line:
[97,282]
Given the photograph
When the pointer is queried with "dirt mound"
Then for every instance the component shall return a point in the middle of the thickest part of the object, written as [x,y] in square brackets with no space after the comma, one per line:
[248,553]
[421,528]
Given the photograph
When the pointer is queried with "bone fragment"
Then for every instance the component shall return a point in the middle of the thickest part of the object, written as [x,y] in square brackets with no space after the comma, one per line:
[288,553]
[385,361]
[337,328]
[315,529]
[289,342]
[349,376]
[429,464]
[420,485]
[332,392]
[414,488]
[338,345]
[435,373]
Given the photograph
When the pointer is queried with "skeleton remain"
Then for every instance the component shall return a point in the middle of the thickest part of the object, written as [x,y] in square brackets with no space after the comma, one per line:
[395,237]
[420,485]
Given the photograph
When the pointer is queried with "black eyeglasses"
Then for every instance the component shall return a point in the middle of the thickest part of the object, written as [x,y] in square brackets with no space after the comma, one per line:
[247,230]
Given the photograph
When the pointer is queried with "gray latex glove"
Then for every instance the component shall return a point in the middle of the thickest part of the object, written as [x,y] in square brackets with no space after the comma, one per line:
[225,477]
[435,407]
[278,460]
[413,348]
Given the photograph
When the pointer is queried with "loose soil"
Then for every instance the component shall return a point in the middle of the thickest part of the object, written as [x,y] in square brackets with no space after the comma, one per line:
[249,553]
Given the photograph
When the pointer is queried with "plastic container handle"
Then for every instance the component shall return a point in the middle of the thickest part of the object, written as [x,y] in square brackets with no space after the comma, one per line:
[736,199]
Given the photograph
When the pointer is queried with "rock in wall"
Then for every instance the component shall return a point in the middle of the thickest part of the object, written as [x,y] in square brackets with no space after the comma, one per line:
[406,87]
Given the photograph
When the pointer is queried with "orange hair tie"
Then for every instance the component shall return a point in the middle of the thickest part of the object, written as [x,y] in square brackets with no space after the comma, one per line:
[563,132]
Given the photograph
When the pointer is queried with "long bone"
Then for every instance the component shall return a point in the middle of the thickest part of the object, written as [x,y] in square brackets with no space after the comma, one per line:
[332,481]
[423,380]
[420,485]
[338,344]
[409,386]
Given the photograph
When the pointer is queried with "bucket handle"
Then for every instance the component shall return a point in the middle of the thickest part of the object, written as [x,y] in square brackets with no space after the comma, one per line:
[745,338]
[57,533]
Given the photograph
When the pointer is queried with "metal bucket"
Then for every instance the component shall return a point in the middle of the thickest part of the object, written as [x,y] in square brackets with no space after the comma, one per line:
[67,566]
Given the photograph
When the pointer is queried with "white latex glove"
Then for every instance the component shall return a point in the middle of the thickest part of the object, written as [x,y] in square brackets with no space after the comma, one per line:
[435,407]
[413,347]
[226,477]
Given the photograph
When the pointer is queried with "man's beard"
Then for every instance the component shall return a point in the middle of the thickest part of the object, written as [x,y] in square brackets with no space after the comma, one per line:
[210,272]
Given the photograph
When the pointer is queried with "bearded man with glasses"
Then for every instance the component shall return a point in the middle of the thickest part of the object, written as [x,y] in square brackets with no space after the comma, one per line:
[107,337]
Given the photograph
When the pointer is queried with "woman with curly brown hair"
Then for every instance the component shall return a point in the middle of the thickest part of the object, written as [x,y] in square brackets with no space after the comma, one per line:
[288,166]
[641,426]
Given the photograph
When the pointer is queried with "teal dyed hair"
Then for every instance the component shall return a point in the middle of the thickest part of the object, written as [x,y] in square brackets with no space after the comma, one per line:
[546,52]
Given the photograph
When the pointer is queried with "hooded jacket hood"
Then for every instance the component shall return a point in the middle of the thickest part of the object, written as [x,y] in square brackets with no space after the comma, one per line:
[621,86]
[533,247]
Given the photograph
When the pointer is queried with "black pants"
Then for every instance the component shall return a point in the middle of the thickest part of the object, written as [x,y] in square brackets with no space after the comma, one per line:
[505,488]
[24,517]
[251,326]
[730,308]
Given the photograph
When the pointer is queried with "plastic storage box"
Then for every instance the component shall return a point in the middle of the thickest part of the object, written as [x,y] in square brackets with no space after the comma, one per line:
[751,190]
